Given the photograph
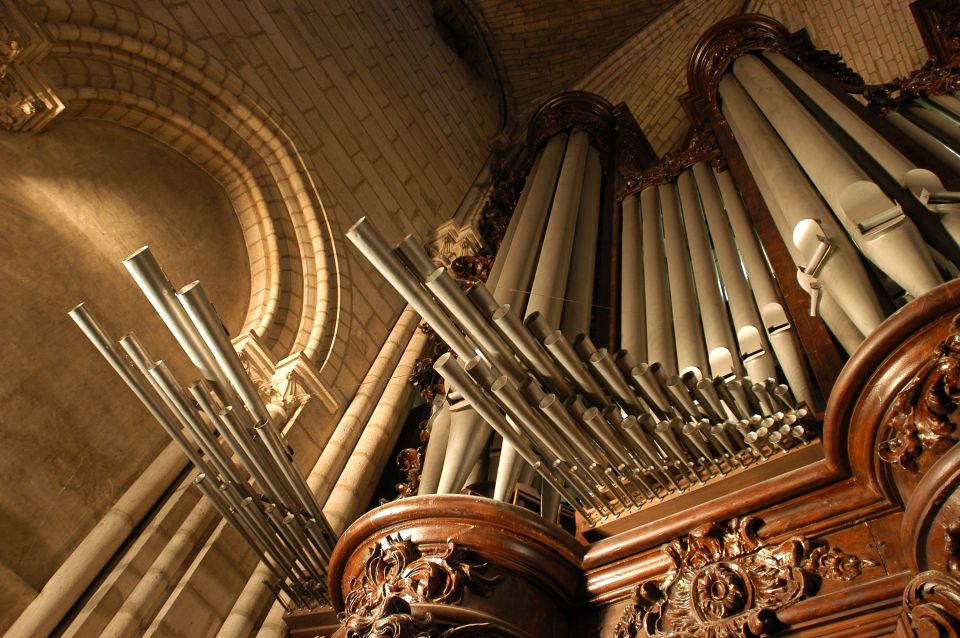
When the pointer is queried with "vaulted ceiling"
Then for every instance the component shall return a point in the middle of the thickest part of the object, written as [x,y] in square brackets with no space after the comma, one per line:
[535,48]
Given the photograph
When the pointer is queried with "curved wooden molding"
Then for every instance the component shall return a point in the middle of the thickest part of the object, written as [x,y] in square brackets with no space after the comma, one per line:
[726,41]
[574,109]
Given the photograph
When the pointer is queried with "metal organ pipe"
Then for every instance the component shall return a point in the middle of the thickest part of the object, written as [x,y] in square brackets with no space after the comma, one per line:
[875,223]
[721,351]
[578,299]
[687,327]
[839,268]
[633,326]
[659,321]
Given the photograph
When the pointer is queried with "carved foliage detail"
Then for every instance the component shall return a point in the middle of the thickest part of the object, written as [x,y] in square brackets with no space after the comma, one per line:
[398,572]
[702,146]
[929,79]
[924,413]
[931,607]
[724,583]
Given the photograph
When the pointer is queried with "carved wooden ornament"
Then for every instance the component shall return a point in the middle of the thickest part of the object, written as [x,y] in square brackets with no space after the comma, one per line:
[923,415]
[725,583]
[931,607]
[398,572]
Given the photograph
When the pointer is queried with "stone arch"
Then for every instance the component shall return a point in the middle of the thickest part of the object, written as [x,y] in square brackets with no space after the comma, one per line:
[138,73]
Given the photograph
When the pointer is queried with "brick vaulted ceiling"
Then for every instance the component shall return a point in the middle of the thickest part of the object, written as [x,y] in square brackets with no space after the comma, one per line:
[535,48]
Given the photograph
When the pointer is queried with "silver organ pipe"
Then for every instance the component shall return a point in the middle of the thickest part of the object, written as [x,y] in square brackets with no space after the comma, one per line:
[604,433]
[243,466]
[874,222]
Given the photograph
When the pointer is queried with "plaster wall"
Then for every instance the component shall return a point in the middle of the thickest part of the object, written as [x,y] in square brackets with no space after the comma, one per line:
[73,203]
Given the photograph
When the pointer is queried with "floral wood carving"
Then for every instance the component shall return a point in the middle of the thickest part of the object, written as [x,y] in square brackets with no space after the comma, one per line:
[471,269]
[929,79]
[398,572]
[931,607]
[702,147]
[725,583]
[923,414]
[498,209]
[574,109]
[726,41]
[832,64]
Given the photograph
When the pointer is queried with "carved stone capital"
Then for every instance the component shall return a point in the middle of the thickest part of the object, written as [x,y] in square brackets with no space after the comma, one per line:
[450,241]
[726,583]
[931,607]
[286,385]
[923,416]
[27,100]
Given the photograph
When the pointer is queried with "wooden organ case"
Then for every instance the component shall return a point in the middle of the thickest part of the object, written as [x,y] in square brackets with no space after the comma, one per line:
[814,219]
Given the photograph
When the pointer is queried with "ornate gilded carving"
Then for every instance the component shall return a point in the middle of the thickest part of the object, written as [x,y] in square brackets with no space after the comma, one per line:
[470,269]
[398,572]
[929,79]
[725,583]
[931,607]
[634,153]
[498,209]
[701,147]
[923,415]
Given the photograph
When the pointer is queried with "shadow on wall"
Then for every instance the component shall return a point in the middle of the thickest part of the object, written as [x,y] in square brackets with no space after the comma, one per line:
[73,203]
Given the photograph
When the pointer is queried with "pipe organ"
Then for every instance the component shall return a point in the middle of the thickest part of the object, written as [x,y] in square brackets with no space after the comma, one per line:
[657,347]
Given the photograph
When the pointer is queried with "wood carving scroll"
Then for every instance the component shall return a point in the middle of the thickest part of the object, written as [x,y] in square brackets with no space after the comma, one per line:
[574,109]
[931,607]
[939,24]
[725,583]
[701,147]
[499,207]
[923,416]
[398,572]
[634,153]
[929,79]
[724,42]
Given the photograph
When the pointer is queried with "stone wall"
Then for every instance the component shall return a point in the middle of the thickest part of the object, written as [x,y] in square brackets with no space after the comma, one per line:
[877,38]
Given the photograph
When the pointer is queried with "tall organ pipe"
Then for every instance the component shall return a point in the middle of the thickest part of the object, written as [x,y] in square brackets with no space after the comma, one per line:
[841,271]
[687,327]
[633,325]
[578,300]
[721,351]
[822,300]
[659,318]
[553,263]
[874,221]
[433,458]
[511,281]
[746,318]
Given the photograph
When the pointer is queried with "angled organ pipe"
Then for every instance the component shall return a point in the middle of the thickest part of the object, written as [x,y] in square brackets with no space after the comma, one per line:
[792,200]
[721,351]
[875,222]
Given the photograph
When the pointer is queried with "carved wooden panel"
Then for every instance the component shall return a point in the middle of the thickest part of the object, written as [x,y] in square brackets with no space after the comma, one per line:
[724,582]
